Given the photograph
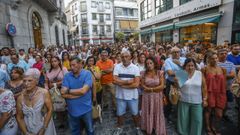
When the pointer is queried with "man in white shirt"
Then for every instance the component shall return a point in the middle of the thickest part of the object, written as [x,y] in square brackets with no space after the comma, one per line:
[126,78]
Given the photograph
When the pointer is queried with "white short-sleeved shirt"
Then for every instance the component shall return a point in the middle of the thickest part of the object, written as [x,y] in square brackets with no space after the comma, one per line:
[126,73]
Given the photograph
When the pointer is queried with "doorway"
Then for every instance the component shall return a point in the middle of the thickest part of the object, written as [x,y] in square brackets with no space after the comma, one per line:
[37,34]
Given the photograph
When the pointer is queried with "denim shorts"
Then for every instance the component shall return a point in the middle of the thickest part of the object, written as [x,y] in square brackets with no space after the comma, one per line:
[123,104]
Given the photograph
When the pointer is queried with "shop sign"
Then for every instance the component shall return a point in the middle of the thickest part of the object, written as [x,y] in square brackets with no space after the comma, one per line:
[182,10]
[11,29]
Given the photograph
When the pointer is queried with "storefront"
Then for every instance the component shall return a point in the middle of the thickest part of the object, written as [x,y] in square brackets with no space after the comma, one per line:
[164,36]
[202,29]
[206,33]
[236,23]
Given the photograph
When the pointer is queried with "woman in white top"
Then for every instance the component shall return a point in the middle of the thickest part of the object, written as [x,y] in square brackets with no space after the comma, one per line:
[193,99]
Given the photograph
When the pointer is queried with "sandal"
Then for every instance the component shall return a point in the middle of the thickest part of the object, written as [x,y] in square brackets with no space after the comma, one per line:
[215,131]
[209,132]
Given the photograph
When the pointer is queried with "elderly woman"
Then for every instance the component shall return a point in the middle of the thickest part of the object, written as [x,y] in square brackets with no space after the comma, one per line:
[34,107]
[8,123]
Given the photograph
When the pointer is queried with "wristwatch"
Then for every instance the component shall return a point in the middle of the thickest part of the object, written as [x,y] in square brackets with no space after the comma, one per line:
[68,91]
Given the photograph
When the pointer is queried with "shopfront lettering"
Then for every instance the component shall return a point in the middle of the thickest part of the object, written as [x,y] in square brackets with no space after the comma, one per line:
[186,9]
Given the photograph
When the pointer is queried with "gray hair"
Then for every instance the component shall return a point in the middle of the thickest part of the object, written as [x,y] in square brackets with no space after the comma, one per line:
[126,51]
[33,72]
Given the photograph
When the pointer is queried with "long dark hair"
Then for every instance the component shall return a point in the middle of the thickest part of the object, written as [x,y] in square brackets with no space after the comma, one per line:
[64,54]
[60,64]
[154,62]
[90,57]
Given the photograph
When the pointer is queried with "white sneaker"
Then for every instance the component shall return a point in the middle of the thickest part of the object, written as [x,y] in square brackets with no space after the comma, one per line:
[118,131]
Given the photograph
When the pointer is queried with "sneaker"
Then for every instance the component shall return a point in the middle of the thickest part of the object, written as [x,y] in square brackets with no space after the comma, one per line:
[118,131]
[138,131]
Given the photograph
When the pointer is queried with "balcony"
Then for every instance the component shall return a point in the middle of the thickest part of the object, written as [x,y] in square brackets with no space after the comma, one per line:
[49,5]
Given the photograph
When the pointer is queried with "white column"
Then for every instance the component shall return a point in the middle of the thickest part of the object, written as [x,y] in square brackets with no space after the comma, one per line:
[176,3]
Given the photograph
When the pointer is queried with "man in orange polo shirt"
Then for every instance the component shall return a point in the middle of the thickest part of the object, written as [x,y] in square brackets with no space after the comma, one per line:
[106,65]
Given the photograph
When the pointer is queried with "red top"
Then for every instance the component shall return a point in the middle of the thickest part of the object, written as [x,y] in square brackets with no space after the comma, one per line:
[216,83]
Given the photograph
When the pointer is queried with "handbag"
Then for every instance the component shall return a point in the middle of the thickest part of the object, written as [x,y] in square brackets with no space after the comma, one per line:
[235,87]
[174,95]
[97,112]
[59,103]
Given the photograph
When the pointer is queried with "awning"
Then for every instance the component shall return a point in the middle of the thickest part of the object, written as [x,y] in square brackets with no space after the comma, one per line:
[73,29]
[163,28]
[146,31]
[199,20]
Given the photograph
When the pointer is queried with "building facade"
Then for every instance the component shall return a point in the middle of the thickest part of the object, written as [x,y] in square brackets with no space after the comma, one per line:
[126,17]
[187,21]
[32,23]
[91,21]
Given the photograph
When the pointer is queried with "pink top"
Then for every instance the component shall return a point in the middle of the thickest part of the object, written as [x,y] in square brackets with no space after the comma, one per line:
[56,74]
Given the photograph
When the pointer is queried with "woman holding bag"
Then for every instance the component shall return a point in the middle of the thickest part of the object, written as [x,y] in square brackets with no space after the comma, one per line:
[192,100]
[53,80]
[152,82]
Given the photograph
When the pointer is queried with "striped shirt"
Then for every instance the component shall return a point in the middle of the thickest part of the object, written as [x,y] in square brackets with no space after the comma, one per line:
[229,66]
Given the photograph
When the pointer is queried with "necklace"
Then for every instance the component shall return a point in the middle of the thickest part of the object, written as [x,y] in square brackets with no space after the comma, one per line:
[30,96]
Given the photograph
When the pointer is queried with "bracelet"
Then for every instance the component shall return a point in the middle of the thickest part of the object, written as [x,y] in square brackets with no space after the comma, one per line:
[44,127]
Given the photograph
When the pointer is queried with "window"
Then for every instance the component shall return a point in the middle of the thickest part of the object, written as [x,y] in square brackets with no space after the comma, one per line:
[130,12]
[125,11]
[101,18]
[100,6]
[102,30]
[94,4]
[84,17]
[107,5]
[163,5]
[94,16]
[135,12]
[63,33]
[109,28]
[75,6]
[184,1]
[117,25]
[85,30]
[146,9]
[83,6]
[236,20]
[95,30]
[76,18]
[119,11]
[108,17]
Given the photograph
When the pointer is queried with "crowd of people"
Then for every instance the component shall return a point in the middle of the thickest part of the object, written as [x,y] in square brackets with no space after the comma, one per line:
[39,85]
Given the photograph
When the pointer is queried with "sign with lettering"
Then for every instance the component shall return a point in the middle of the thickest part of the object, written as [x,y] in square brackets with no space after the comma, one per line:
[182,10]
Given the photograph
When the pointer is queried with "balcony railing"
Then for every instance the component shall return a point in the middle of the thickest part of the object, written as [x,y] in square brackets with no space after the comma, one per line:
[49,5]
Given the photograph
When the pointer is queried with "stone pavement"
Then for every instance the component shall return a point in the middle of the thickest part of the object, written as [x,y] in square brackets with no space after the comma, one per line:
[109,122]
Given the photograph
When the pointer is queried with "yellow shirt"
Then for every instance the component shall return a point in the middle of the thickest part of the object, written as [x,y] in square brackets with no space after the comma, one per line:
[98,83]
[66,64]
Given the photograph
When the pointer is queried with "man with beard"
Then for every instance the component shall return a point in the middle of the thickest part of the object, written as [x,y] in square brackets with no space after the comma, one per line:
[234,56]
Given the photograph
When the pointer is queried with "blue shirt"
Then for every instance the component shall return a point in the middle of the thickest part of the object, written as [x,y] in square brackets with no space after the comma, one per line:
[234,59]
[170,65]
[4,77]
[83,104]
[22,64]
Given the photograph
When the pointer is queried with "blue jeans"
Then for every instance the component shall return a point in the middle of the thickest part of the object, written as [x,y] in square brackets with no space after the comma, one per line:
[75,123]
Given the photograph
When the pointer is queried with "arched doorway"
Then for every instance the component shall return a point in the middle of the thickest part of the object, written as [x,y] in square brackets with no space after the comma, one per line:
[37,34]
